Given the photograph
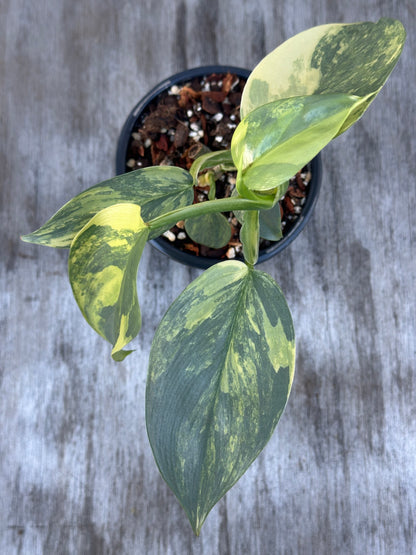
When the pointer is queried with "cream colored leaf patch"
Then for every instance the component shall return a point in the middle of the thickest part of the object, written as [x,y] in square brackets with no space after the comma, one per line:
[354,58]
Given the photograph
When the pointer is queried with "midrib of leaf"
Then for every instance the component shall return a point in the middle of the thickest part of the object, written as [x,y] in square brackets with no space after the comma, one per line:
[226,350]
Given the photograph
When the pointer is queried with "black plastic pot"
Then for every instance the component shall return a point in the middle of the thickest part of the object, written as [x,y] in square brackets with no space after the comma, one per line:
[168,248]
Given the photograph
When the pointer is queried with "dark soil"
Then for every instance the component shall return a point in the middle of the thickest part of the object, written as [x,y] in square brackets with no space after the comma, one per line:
[192,118]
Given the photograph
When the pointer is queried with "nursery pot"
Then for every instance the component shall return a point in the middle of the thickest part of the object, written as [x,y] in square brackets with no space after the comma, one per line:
[163,244]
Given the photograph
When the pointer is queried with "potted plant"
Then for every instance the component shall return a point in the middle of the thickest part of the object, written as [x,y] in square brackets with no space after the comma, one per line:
[191,113]
[222,360]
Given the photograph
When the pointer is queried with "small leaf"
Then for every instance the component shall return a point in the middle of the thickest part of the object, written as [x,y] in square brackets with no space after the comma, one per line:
[354,59]
[156,189]
[103,263]
[210,160]
[274,141]
[271,224]
[220,373]
[211,230]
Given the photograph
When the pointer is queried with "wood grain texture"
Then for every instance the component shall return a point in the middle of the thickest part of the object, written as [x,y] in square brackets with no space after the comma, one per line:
[76,472]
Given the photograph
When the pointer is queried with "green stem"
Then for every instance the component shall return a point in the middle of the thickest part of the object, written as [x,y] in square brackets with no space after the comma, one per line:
[220,205]
[250,237]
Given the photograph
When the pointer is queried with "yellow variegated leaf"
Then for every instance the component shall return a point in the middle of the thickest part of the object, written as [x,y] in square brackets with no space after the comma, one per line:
[220,373]
[354,58]
[103,262]
[156,189]
[274,141]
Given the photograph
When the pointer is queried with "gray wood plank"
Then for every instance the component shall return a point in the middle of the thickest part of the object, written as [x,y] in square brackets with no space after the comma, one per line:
[76,471]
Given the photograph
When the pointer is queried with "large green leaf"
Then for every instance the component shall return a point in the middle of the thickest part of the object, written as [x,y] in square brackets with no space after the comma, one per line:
[221,369]
[211,230]
[274,141]
[156,189]
[354,58]
[103,263]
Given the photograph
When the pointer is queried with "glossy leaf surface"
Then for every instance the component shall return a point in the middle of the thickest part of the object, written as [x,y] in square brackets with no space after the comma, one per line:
[221,369]
[103,263]
[211,230]
[156,189]
[274,141]
[354,59]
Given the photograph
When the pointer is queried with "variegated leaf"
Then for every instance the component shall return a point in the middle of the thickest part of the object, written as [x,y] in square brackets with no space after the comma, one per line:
[103,263]
[210,160]
[157,190]
[274,141]
[354,58]
[221,369]
[211,230]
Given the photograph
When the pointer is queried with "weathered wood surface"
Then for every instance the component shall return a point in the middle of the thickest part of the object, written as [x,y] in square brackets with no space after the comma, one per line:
[76,471]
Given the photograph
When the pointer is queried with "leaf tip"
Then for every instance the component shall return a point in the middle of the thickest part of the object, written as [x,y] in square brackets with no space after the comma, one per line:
[196,524]
[30,238]
[26,238]
[119,356]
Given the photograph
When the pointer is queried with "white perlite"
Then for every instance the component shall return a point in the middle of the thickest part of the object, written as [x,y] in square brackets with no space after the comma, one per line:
[169,235]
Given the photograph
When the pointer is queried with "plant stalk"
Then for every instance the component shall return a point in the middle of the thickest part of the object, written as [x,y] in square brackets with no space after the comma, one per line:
[219,205]
[250,237]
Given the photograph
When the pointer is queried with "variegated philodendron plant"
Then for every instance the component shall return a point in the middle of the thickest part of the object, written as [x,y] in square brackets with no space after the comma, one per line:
[222,360]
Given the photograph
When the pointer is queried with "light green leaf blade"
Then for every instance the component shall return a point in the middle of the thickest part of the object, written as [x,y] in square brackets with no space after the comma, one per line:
[274,141]
[354,58]
[157,190]
[221,369]
[103,262]
[211,230]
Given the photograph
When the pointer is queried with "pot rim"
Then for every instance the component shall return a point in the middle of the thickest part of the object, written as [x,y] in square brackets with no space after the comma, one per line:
[169,249]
